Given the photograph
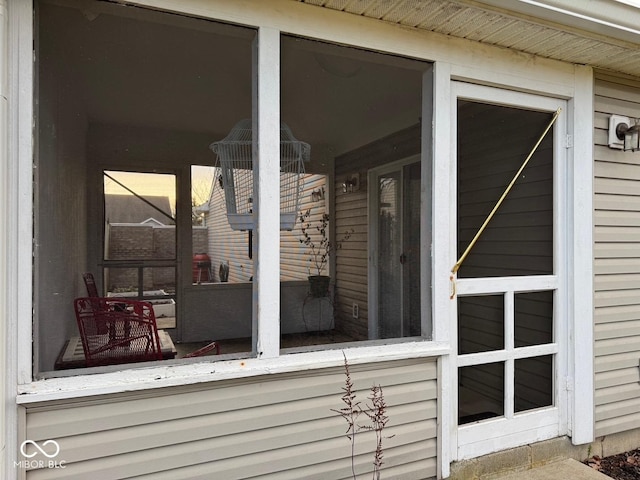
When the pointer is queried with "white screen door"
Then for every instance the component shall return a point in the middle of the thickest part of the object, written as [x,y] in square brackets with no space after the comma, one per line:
[509,308]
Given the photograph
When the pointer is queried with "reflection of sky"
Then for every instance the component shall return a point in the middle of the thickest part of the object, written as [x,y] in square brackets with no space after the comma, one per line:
[160,184]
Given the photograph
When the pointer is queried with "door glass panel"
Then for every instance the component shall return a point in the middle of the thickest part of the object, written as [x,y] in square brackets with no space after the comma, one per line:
[533,318]
[533,383]
[410,256]
[480,392]
[390,248]
[480,324]
[202,178]
[140,240]
[399,252]
[139,216]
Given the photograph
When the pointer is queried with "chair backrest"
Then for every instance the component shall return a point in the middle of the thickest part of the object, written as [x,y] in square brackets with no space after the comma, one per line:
[90,283]
[116,330]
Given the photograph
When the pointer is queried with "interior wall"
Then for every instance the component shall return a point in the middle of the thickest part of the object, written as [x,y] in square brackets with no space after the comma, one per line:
[61,205]
[60,236]
[223,311]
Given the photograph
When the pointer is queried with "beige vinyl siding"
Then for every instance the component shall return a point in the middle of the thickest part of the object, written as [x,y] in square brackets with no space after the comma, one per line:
[617,262]
[269,427]
[231,246]
[226,245]
[295,260]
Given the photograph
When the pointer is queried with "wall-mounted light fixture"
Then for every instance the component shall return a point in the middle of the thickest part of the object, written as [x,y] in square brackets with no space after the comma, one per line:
[624,135]
[351,183]
[317,194]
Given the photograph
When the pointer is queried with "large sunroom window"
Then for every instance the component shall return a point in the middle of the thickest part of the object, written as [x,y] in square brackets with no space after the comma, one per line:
[359,239]
[129,189]
[128,101]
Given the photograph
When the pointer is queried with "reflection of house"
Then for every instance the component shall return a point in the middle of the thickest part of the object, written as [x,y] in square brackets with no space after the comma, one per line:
[431,106]
[132,209]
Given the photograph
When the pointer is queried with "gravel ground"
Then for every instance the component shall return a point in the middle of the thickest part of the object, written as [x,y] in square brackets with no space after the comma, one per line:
[624,466]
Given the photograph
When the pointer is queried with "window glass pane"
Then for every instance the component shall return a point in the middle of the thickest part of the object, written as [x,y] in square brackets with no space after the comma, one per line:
[533,383]
[493,142]
[220,253]
[360,114]
[480,324]
[533,318]
[480,392]
[154,285]
[202,178]
[139,214]
[120,110]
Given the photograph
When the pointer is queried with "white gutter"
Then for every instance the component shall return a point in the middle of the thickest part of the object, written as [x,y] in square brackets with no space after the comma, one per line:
[619,20]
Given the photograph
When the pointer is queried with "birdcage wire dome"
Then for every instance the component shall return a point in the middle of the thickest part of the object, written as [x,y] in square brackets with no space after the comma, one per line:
[235,157]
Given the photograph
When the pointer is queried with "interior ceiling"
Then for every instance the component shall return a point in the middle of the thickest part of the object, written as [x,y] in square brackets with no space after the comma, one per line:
[136,67]
[482,22]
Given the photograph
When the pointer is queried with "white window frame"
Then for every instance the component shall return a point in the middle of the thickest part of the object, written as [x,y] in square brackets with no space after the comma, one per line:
[266,320]
[455,59]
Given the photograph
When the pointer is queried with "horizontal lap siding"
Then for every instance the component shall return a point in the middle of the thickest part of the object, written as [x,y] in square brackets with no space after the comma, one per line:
[277,427]
[617,263]
[295,259]
[231,246]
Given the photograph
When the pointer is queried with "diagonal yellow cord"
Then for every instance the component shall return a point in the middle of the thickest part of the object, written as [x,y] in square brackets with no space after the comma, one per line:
[481,230]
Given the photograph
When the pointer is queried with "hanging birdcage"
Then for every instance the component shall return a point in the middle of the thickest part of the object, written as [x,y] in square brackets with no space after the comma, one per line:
[235,155]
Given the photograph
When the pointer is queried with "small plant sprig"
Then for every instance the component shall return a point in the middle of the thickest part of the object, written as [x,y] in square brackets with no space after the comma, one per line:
[322,249]
[376,413]
[350,412]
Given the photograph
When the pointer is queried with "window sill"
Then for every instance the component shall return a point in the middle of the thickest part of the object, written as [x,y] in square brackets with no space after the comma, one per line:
[174,375]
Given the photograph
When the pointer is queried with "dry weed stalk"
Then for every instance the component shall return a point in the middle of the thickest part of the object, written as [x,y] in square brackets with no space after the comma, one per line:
[375,413]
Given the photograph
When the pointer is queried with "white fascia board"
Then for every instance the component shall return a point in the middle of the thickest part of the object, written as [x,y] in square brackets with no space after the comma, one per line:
[609,18]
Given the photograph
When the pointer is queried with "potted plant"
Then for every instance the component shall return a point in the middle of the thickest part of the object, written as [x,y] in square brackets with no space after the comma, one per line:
[315,238]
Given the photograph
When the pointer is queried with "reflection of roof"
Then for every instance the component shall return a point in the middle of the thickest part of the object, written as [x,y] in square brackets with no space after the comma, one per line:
[152,222]
[130,209]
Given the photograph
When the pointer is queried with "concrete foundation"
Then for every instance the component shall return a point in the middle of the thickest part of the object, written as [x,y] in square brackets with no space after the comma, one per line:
[520,459]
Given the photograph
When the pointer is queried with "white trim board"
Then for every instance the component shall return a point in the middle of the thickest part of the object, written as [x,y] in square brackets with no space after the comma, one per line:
[195,373]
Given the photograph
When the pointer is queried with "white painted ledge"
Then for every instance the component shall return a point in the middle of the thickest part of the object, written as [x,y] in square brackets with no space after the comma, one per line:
[140,379]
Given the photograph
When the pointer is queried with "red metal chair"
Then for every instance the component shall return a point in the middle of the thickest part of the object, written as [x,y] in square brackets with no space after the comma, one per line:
[115,331]
[204,350]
